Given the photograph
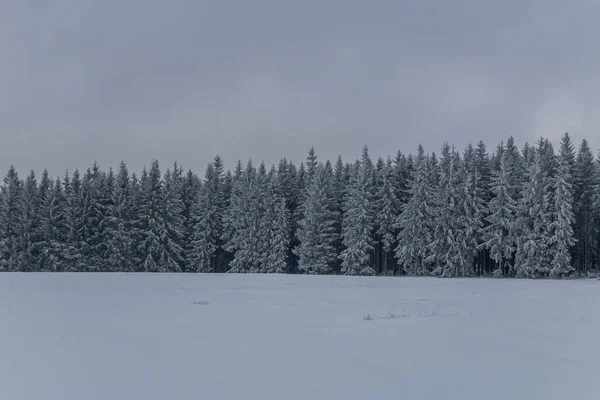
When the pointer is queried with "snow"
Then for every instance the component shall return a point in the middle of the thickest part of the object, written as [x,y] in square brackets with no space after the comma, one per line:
[152,336]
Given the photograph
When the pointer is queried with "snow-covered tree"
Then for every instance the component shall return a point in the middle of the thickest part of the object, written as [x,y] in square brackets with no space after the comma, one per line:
[190,192]
[561,230]
[596,211]
[358,224]
[52,225]
[387,208]
[71,256]
[150,220]
[316,231]
[10,202]
[585,181]
[275,227]
[171,227]
[416,221]
[28,225]
[241,218]
[533,219]
[91,218]
[454,240]
[502,207]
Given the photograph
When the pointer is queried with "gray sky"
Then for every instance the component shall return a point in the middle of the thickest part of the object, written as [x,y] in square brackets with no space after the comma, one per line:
[183,80]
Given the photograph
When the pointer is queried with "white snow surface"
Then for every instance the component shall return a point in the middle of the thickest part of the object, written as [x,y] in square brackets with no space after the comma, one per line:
[156,336]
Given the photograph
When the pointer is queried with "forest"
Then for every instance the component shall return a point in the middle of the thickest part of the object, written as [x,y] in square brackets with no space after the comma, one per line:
[528,212]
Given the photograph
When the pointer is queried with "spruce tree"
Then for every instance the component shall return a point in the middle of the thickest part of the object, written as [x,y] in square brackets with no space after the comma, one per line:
[387,210]
[190,189]
[150,220]
[208,228]
[28,225]
[316,230]
[561,230]
[358,223]
[497,235]
[171,227]
[444,208]
[91,218]
[10,207]
[70,251]
[52,225]
[531,259]
[241,218]
[596,213]
[416,221]
[585,180]
[275,227]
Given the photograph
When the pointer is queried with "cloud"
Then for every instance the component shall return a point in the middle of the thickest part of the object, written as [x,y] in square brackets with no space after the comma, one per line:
[186,80]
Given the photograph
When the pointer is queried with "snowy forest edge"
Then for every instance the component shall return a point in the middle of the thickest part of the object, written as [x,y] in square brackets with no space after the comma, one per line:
[528,212]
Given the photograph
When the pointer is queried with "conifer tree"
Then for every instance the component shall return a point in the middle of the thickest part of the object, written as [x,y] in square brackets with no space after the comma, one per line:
[275,228]
[190,192]
[150,220]
[91,218]
[241,218]
[585,181]
[561,230]
[71,256]
[596,213]
[316,231]
[171,227]
[532,223]
[10,199]
[416,221]
[208,229]
[502,207]
[387,211]
[28,225]
[358,223]
[52,224]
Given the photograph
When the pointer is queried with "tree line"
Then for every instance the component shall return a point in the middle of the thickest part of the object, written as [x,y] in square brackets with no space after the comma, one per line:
[530,212]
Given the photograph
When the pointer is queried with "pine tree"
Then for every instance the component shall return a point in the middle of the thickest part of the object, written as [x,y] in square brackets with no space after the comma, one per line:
[358,223]
[52,224]
[531,259]
[206,237]
[585,180]
[241,218]
[190,197]
[9,220]
[150,220]
[561,230]
[91,218]
[106,249]
[444,207]
[28,225]
[482,176]
[316,231]
[311,166]
[387,211]
[71,257]
[275,227]
[340,186]
[502,207]
[171,227]
[287,174]
[120,246]
[455,234]
[416,221]
[596,212]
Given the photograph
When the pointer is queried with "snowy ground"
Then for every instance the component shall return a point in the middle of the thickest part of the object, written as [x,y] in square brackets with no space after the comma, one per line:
[119,336]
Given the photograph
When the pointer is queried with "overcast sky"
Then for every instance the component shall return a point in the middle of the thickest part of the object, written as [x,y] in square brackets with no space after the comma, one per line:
[133,80]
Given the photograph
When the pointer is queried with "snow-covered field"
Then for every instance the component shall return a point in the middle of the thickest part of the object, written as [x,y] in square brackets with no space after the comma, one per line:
[143,336]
